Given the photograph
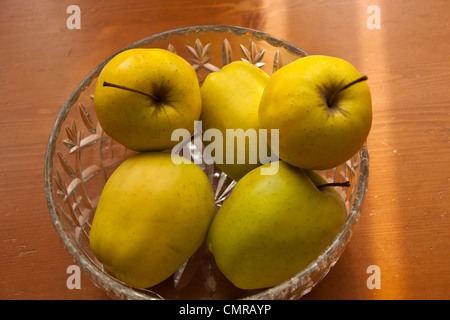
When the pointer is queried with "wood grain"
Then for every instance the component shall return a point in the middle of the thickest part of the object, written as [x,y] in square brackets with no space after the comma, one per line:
[404,225]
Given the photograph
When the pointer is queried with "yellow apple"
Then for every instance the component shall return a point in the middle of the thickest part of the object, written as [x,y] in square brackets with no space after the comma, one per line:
[143,95]
[151,217]
[273,226]
[323,109]
[230,102]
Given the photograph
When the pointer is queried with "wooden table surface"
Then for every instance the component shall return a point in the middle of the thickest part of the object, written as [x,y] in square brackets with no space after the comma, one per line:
[404,227]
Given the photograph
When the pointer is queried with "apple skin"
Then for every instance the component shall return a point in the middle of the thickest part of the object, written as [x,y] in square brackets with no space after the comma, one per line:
[135,120]
[313,134]
[273,226]
[151,217]
[230,100]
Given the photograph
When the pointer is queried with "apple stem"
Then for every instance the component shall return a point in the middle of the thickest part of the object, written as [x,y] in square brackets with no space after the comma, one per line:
[334,184]
[108,84]
[330,100]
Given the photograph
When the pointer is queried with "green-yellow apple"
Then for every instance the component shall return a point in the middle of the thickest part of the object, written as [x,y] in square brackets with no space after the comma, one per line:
[230,102]
[273,226]
[323,109]
[142,95]
[151,217]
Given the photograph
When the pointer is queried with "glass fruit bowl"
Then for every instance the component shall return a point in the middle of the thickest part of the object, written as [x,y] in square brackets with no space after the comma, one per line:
[80,157]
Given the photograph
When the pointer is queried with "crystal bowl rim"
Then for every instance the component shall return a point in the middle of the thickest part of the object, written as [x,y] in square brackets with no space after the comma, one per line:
[108,283]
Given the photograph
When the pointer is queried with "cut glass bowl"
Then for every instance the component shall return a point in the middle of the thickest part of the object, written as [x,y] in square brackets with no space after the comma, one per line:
[80,157]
